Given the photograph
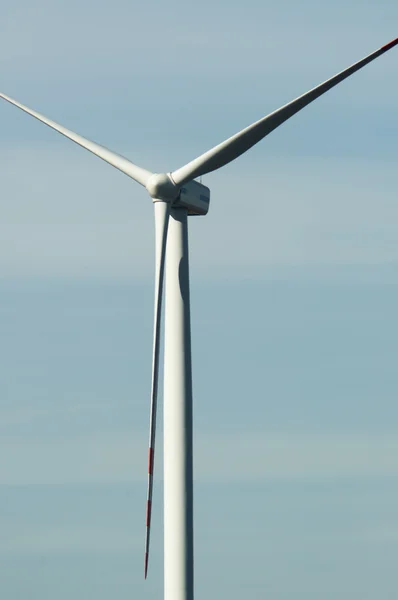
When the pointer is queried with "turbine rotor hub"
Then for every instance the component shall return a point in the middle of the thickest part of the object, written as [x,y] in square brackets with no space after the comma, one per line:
[160,186]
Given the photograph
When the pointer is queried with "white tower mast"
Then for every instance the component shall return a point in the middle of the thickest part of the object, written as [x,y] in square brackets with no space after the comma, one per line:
[177,416]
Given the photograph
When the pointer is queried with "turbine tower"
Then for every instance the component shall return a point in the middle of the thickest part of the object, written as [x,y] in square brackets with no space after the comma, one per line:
[177,195]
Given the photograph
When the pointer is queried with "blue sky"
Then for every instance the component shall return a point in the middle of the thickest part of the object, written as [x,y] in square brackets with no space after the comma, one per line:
[294,293]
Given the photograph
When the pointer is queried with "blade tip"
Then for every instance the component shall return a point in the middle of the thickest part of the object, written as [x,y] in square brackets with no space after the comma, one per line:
[390,44]
[146,565]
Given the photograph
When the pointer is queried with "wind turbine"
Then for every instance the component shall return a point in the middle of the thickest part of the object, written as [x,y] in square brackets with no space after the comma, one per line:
[175,196]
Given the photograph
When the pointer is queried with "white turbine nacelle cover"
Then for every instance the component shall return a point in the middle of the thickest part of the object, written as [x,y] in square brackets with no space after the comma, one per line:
[195,197]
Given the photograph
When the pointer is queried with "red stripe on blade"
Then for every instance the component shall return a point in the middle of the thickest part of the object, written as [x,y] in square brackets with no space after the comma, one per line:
[150,461]
[148,513]
[390,44]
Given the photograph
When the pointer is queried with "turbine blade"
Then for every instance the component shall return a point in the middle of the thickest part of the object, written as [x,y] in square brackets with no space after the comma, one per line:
[162,211]
[123,164]
[239,143]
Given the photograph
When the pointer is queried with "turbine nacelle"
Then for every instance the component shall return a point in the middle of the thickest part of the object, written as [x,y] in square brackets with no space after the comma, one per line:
[195,197]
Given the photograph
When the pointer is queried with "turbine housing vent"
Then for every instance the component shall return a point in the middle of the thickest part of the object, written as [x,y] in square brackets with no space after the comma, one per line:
[195,197]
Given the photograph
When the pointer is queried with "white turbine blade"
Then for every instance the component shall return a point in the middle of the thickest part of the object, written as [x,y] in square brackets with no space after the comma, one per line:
[123,164]
[239,143]
[162,211]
